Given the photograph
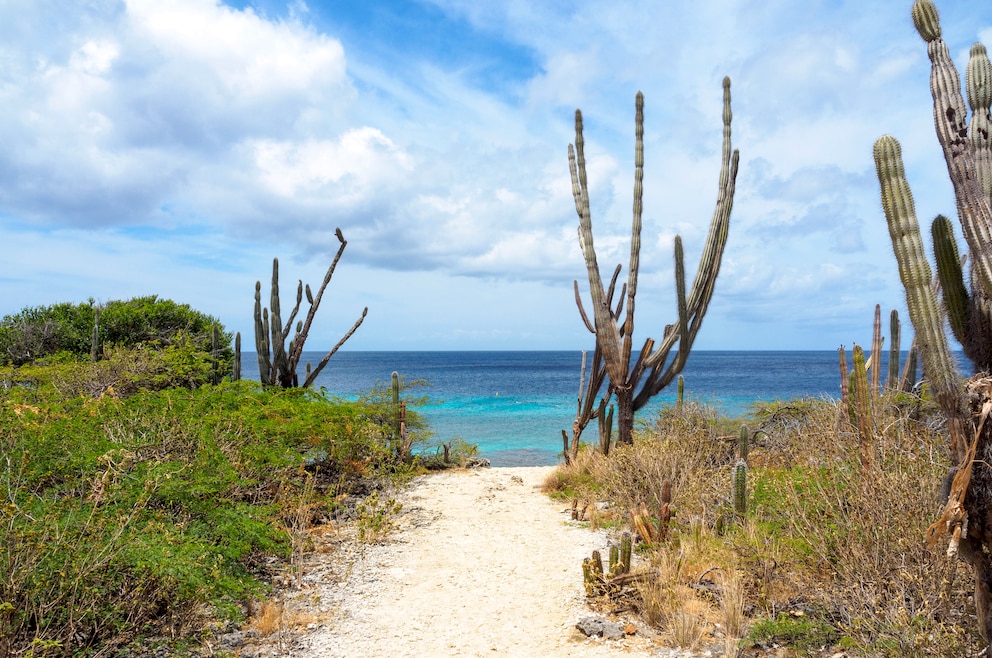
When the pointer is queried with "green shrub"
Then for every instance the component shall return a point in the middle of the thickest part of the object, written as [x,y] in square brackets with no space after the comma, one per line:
[160,505]
[43,331]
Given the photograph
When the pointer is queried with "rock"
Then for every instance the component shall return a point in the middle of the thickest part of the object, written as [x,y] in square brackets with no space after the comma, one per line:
[477,462]
[593,626]
[232,640]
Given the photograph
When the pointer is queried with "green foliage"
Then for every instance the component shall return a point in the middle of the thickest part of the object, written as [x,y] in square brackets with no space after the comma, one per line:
[804,633]
[376,518]
[160,504]
[380,403]
[44,331]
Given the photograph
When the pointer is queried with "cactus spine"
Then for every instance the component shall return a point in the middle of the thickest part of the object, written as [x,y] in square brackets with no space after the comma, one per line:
[635,384]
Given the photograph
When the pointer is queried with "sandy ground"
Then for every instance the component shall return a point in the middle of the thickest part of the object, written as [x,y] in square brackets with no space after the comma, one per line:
[482,564]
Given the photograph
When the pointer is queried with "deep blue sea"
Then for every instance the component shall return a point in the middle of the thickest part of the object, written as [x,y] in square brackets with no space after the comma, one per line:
[515,404]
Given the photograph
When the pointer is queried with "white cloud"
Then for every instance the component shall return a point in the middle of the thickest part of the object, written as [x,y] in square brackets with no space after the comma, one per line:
[443,156]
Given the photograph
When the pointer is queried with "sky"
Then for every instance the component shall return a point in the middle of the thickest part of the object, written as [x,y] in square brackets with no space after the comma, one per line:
[175,147]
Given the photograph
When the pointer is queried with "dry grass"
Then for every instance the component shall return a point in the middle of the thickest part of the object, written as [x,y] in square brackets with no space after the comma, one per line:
[829,548]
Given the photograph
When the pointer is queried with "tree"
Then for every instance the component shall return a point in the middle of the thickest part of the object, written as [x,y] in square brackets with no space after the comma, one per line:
[966,521]
[634,385]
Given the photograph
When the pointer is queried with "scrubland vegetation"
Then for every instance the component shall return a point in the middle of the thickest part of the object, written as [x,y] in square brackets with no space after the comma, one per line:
[140,502]
[828,554]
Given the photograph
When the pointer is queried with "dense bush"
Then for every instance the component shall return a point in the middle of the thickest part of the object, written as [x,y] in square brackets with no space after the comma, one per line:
[159,504]
[42,331]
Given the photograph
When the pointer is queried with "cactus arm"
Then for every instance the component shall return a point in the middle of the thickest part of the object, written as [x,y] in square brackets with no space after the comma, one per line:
[607,331]
[582,310]
[262,339]
[914,271]
[683,311]
[635,232]
[716,240]
[327,357]
[859,405]
[978,83]
[956,299]
[316,303]
[950,120]
[876,350]
[844,377]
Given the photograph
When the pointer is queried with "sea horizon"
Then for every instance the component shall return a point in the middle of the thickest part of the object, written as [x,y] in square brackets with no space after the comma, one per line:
[514,404]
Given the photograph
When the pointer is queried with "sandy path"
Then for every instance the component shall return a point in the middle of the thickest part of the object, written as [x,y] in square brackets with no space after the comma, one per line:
[483,565]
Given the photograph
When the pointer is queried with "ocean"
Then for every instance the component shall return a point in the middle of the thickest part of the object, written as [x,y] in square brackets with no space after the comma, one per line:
[513,405]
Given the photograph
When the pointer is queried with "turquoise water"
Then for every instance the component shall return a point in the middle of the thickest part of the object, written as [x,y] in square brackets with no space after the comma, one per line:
[515,404]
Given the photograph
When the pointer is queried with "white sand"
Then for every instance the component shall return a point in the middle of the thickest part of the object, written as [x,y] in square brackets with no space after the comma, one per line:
[483,564]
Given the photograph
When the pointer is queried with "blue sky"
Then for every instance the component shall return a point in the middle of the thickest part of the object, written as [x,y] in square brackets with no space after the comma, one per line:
[176,146]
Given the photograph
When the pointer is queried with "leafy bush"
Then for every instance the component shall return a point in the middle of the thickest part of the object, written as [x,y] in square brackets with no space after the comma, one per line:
[160,504]
[44,331]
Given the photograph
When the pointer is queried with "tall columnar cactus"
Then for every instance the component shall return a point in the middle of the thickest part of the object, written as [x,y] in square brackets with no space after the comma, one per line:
[396,404]
[892,379]
[635,384]
[95,338]
[236,365]
[277,362]
[967,515]
[743,442]
[860,403]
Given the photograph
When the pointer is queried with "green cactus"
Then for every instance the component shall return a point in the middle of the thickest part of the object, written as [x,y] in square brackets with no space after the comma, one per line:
[277,363]
[95,340]
[859,400]
[914,270]
[614,559]
[626,548]
[396,406]
[845,379]
[739,482]
[742,443]
[681,392]
[635,383]
[592,574]
[892,379]
[968,156]
[236,365]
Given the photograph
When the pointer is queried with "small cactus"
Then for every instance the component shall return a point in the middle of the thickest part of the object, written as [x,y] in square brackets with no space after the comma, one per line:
[626,546]
[740,487]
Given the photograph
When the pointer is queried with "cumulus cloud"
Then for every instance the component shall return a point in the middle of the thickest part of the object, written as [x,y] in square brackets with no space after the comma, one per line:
[212,136]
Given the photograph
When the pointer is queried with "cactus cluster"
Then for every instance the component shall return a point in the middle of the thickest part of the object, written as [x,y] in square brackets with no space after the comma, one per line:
[635,383]
[277,362]
[597,581]
[967,307]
